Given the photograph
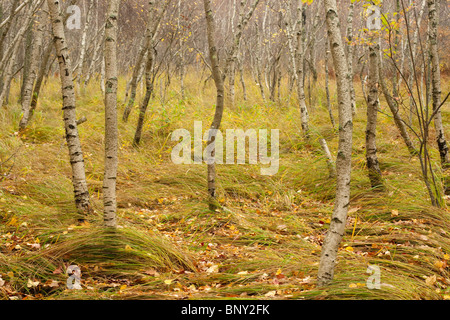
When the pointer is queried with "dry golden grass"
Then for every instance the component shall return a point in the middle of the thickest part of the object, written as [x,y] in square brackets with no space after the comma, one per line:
[267,238]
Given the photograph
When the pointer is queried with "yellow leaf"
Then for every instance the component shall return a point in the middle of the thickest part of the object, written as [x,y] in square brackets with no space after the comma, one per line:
[128,248]
[353,285]
[349,249]
[168,282]
[394,213]
[278,272]
[13,221]
[123,287]
[446,257]
[431,280]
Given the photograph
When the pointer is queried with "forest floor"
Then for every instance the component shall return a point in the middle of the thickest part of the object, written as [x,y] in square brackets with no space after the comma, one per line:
[264,242]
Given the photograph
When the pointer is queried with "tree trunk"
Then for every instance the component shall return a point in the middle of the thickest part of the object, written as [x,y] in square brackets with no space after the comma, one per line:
[393,106]
[73,140]
[218,80]
[327,86]
[40,77]
[34,64]
[111,130]
[372,114]
[433,21]
[83,43]
[153,25]
[343,163]
[149,86]
[350,50]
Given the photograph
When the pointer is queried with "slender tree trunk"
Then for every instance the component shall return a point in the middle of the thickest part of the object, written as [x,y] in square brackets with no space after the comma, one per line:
[182,68]
[343,164]
[327,86]
[349,52]
[234,52]
[111,130]
[96,57]
[411,59]
[83,43]
[134,79]
[393,106]
[149,86]
[27,59]
[300,72]
[330,162]
[242,79]
[433,21]
[40,77]
[153,25]
[34,64]
[218,80]
[372,114]
[10,56]
[81,192]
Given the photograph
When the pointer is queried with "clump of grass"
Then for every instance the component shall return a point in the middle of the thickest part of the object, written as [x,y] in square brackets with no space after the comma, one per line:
[118,252]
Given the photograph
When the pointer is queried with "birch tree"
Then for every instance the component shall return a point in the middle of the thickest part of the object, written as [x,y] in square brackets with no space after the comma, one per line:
[328,258]
[372,112]
[233,56]
[220,90]
[433,21]
[294,30]
[147,41]
[33,72]
[82,200]
[111,130]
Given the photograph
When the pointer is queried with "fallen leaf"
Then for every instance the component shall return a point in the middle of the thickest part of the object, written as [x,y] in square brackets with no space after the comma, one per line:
[430,280]
[32,284]
[270,294]
[213,269]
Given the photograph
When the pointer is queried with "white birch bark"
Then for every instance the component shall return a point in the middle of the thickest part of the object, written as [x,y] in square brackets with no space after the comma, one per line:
[34,65]
[81,192]
[433,21]
[111,130]
[336,231]
[372,113]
